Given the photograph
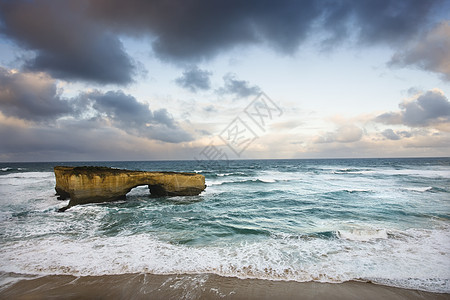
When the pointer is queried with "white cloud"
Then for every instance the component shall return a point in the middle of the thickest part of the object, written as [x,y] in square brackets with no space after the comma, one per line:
[344,134]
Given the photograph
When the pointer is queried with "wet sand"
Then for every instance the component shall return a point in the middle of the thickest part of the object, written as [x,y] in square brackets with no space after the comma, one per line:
[200,286]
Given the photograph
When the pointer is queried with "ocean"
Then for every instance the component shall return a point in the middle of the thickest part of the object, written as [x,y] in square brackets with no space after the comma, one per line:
[386,221]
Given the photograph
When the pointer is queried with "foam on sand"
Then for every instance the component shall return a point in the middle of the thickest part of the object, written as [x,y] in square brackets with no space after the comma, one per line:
[199,286]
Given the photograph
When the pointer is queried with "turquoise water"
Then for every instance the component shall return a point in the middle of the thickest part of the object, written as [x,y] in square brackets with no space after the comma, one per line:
[384,220]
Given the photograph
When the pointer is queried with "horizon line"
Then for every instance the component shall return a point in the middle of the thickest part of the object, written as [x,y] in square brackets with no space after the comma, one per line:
[239,159]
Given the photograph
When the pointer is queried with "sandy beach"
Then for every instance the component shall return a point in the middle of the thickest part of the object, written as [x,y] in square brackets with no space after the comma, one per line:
[199,286]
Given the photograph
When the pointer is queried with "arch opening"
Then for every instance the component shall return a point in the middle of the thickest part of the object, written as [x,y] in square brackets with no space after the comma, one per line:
[138,191]
[148,190]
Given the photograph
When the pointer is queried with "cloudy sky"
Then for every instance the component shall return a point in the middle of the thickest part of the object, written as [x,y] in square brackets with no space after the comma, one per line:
[201,79]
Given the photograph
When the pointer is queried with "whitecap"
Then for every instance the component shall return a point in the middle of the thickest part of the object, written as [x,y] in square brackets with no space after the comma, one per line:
[418,189]
[20,179]
[268,180]
[428,173]
[362,235]
[27,175]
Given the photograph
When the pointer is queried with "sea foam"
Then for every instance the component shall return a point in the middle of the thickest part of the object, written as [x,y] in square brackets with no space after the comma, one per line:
[368,255]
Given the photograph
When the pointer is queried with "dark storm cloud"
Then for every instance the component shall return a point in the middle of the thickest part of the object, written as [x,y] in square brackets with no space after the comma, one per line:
[195,79]
[66,43]
[370,22]
[38,138]
[34,97]
[429,52]
[120,107]
[126,113]
[85,140]
[79,140]
[429,108]
[31,96]
[239,88]
[77,39]
[199,29]
[390,21]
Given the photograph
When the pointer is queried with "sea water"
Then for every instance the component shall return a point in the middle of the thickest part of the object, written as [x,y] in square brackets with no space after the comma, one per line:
[381,220]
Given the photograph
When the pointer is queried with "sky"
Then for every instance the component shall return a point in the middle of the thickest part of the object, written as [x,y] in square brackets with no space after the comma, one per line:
[85,80]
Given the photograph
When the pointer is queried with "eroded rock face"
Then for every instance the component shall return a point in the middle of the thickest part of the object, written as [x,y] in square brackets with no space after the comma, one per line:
[100,184]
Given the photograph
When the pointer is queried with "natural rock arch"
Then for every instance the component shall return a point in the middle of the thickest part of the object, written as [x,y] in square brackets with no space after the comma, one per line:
[100,184]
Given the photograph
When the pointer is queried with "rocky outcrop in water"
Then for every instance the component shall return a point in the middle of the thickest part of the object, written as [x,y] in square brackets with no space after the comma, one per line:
[101,184]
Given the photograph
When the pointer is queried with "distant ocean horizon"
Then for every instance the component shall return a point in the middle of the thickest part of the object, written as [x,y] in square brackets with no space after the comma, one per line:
[209,162]
[383,220]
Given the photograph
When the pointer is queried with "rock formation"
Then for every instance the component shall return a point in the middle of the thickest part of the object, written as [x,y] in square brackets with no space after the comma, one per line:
[100,184]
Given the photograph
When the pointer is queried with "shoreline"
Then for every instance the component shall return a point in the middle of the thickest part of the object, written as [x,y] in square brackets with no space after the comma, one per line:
[194,286]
